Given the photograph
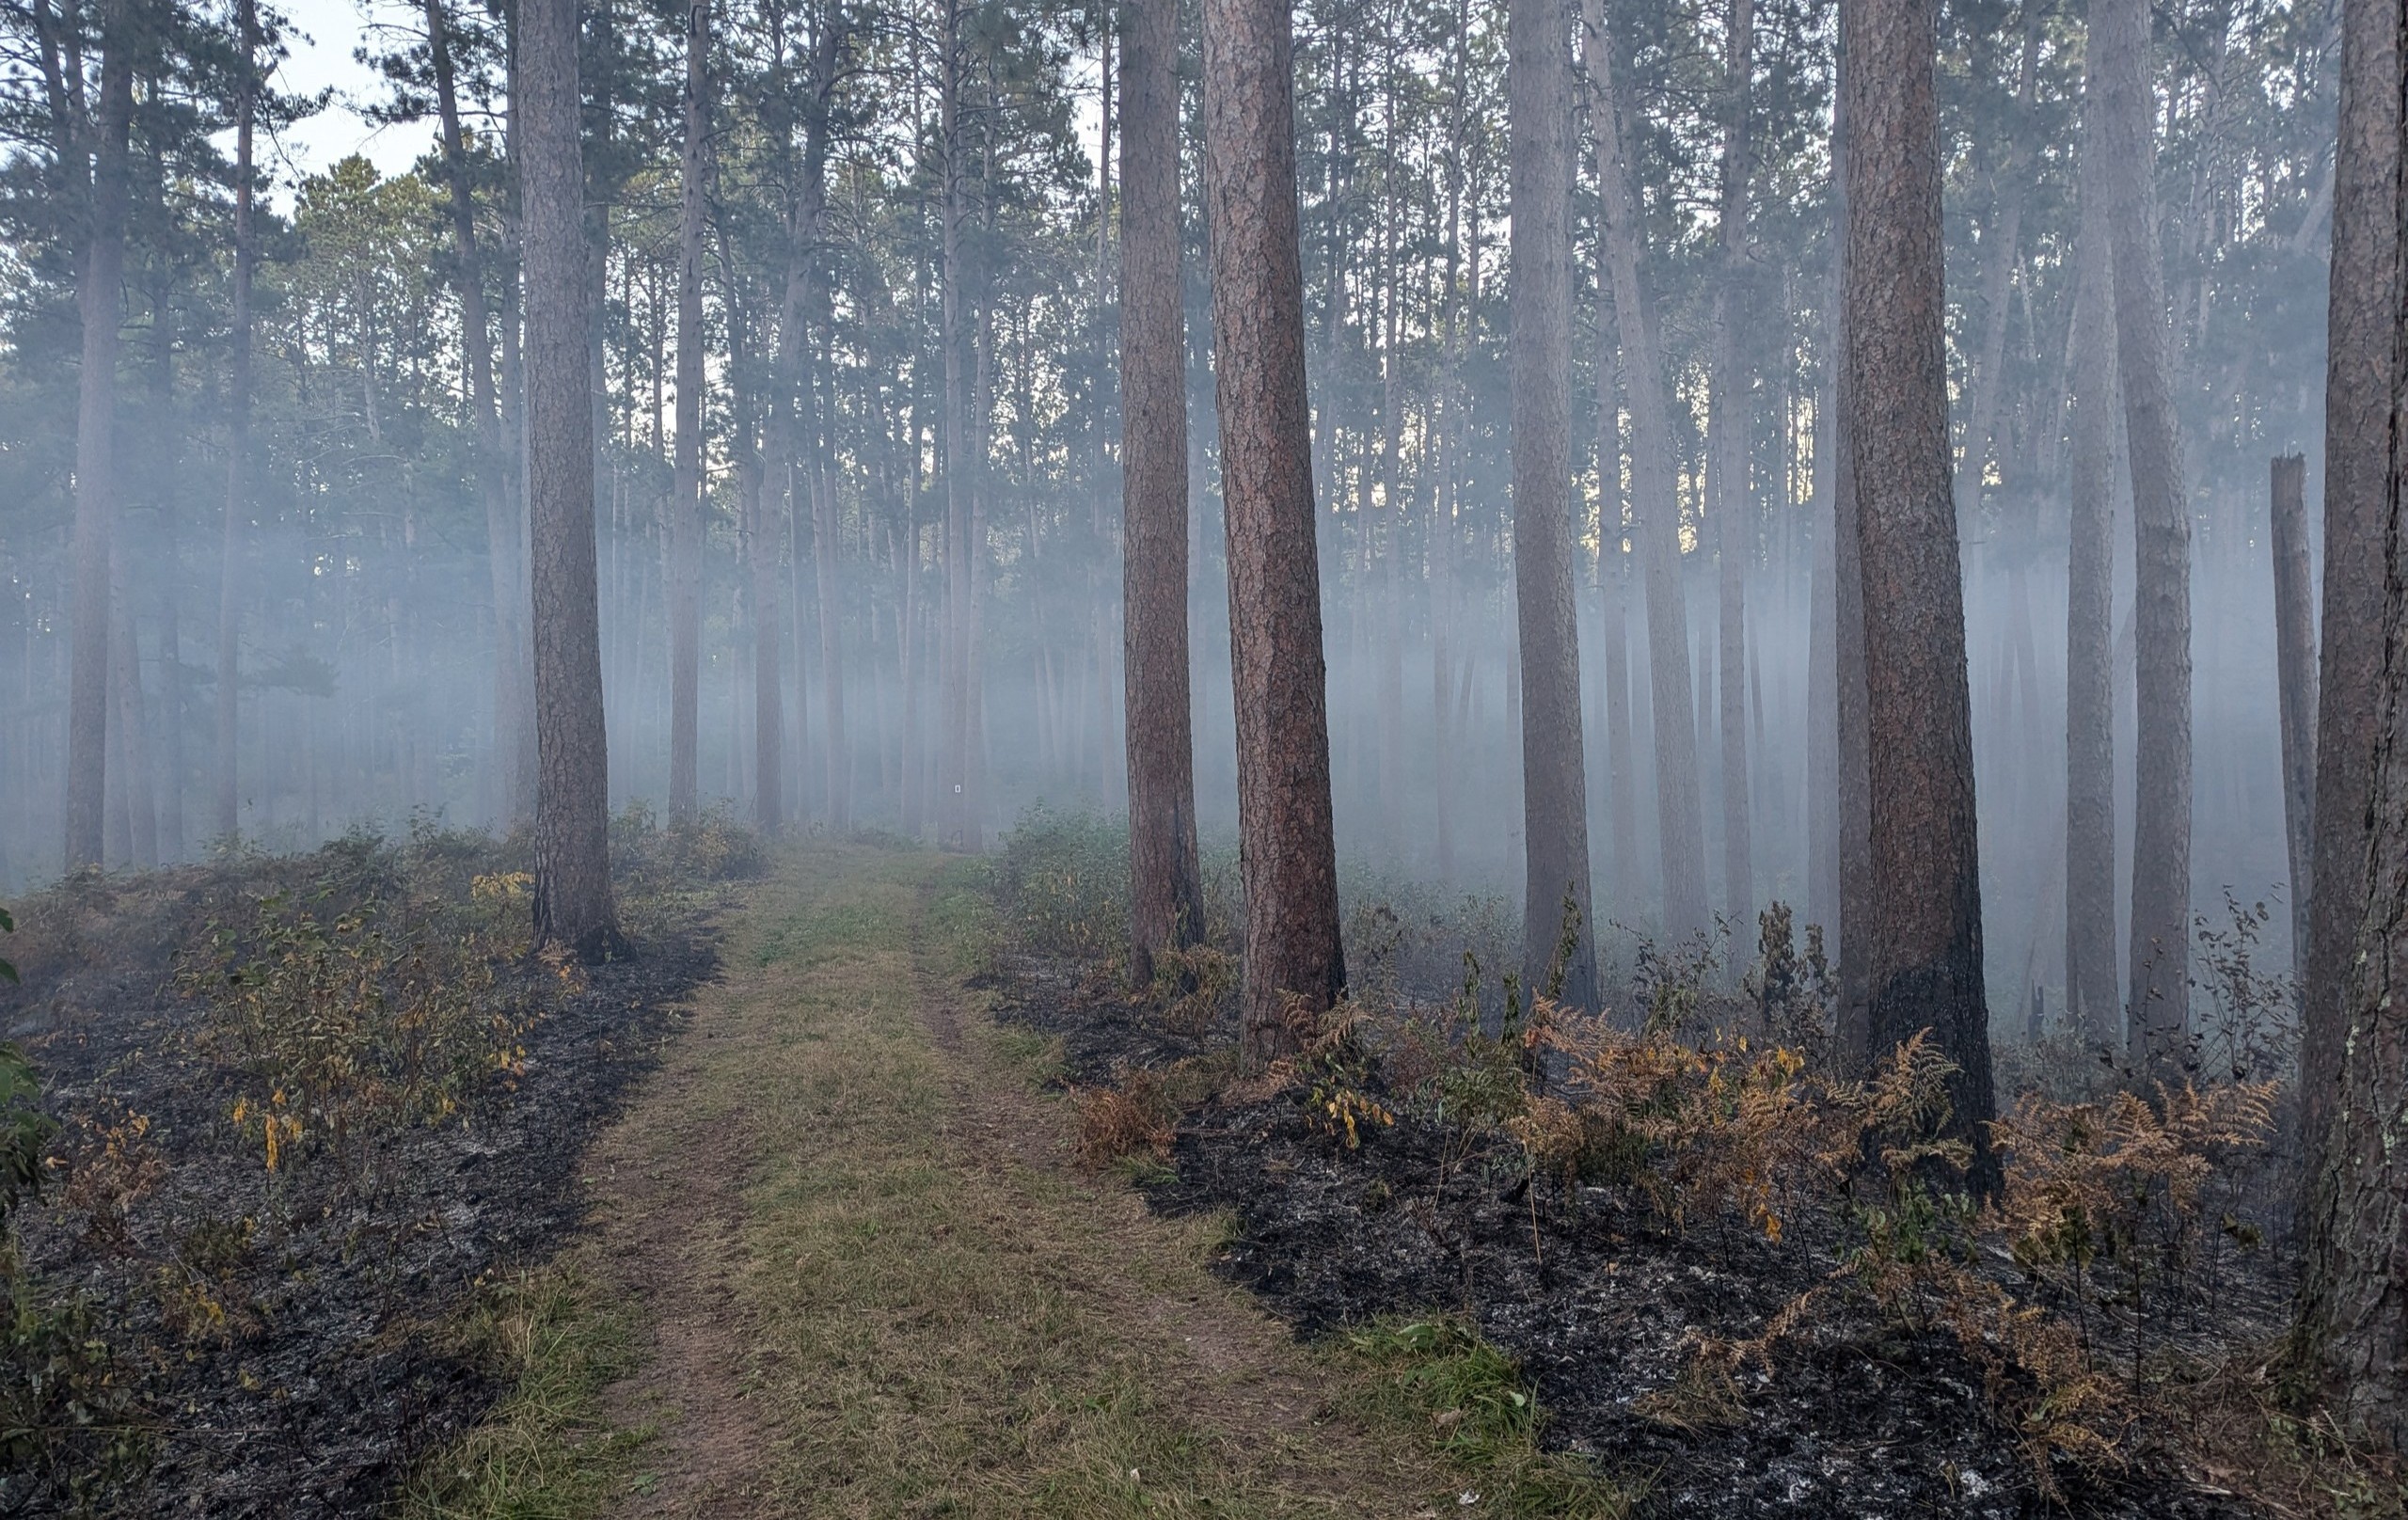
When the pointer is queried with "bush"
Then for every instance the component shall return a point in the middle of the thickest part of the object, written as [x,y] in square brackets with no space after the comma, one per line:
[1062,884]
[713,846]
[346,1031]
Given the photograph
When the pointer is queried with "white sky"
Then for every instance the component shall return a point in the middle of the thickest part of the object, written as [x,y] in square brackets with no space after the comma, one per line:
[322,37]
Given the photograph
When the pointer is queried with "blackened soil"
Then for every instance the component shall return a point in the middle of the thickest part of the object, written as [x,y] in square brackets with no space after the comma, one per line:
[338,1362]
[1604,1305]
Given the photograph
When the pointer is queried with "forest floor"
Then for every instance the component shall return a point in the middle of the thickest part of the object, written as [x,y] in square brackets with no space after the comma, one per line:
[840,1264]
[800,1212]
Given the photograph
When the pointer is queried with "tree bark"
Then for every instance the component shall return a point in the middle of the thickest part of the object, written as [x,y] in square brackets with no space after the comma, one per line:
[1166,883]
[238,443]
[2295,677]
[573,906]
[96,301]
[1921,937]
[2354,1294]
[2156,1009]
[2361,331]
[2091,997]
[1655,508]
[1732,500]
[1287,854]
[685,500]
[1555,792]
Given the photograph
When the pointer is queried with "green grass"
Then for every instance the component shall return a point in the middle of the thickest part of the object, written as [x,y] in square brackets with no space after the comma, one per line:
[546,1453]
[1438,1375]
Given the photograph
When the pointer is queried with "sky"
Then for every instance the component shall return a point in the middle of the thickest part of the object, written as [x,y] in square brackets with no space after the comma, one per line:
[323,38]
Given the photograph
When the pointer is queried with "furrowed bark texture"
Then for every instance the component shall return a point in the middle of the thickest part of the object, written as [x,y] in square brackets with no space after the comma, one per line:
[2157,1008]
[2353,1280]
[1555,796]
[2091,995]
[2354,1289]
[1923,932]
[573,906]
[1165,885]
[2361,333]
[1287,848]
[2295,675]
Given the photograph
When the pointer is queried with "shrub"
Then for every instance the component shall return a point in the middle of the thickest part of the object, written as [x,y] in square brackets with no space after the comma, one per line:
[1062,882]
[713,846]
[345,1032]
[1128,1120]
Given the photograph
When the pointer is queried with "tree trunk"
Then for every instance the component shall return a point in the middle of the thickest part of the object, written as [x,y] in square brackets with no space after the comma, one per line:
[2090,675]
[2157,1010]
[573,906]
[1732,507]
[2295,677]
[1824,892]
[1288,853]
[685,500]
[511,708]
[2362,326]
[2000,246]
[96,301]
[1613,594]
[1165,885]
[238,443]
[133,718]
[1655,508]
[1555,791]
[953,744]
[2353,1315]
[1922,937]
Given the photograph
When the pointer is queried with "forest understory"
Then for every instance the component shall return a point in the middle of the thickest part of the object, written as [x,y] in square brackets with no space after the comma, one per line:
[865,1188]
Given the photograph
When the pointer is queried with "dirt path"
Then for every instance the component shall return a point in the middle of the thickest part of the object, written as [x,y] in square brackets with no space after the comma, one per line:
[867,1281]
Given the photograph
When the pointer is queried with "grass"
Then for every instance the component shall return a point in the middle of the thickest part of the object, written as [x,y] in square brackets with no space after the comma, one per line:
[936,1313]
[546,1452]
[1438,1375]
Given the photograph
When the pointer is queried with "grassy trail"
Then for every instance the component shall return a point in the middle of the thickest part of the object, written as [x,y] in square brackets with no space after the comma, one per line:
[840,1266]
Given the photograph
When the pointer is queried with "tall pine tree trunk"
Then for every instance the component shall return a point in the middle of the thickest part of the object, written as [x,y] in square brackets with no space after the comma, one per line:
[2157,1005]
[1165,885]
[685,500]
[2091,997]
[1288,853]
[2296,677]
[1921,937]
[238,443]
[1734,499]
[573,903]
[511,708]
[1555,792]
[2361,329]
[1656,508]
[96,301]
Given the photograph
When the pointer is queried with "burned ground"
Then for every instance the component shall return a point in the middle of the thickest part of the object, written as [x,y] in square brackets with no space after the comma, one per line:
[1604,1304]
[287,1343]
